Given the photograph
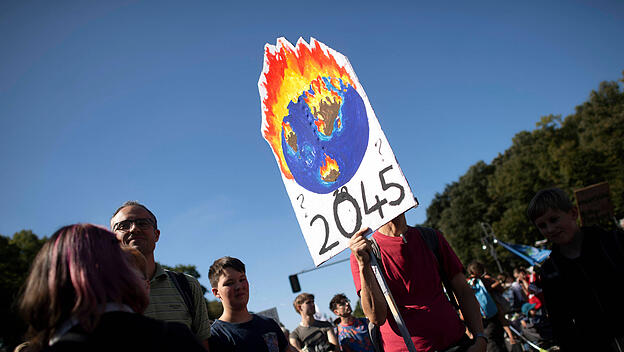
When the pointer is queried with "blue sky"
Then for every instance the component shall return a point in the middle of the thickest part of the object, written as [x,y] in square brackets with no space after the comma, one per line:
[157,101]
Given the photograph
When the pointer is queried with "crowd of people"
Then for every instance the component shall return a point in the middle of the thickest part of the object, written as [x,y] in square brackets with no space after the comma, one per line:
[92,289]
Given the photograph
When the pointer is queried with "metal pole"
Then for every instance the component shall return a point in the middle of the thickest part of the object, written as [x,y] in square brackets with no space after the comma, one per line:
[489,240]
[391,303]
[322,266]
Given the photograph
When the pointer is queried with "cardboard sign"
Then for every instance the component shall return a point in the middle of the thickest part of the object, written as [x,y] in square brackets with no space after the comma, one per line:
[338,168]
[270,313]
[594,203]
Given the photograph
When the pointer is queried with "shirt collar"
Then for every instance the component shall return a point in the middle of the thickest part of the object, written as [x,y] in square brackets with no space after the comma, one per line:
[158,272]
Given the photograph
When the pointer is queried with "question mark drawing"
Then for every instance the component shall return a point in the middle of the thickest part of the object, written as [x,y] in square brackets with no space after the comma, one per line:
[301,205]
[379,148]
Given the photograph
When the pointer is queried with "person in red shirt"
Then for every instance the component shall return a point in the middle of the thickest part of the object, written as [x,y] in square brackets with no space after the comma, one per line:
[411,271]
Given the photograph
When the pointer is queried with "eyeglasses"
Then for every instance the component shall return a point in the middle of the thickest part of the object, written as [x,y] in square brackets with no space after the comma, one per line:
[344,303]
[142,223]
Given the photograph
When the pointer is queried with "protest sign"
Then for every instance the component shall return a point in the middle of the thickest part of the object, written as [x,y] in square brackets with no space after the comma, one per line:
[270,313]
[594,204]
[337,166]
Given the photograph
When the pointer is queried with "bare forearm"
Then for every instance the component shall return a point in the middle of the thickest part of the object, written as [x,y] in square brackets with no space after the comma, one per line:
[470,311]
[373,301]
[468,304]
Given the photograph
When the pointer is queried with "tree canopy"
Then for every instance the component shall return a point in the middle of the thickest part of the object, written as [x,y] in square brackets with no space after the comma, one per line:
[585,148]
[16,254]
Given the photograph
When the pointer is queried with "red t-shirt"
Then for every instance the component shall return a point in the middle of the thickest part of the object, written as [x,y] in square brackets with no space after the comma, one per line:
[535,300]
[411,272]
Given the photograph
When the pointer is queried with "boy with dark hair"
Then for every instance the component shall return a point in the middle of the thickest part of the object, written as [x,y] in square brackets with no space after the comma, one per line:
[352,332]
[312,335]
[237,329]
[580,277]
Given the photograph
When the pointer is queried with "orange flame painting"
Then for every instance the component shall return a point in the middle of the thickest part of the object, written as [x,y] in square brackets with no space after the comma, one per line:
[288,72]
[329,170]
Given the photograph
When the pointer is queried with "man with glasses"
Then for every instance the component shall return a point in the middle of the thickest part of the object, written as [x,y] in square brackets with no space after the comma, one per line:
[171,299]
[352,332]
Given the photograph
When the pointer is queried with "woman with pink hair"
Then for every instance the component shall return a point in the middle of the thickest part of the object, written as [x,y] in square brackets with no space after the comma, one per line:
[83,294]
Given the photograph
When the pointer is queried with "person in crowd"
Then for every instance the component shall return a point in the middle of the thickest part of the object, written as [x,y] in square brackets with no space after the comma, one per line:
[237,329]
[519,288]
[137,259]
[496,326]
[535,326]
[506,282]
[312,335]
[353,335]
[173,296]
[580,277]
[534,296]
[411,269]
[82,294]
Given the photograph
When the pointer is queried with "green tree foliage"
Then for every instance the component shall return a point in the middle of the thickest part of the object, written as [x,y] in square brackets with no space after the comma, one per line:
[358,312]
[16,255]
[585,148]
[215,309]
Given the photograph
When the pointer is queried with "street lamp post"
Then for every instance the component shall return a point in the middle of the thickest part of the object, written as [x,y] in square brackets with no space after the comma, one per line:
[489,240]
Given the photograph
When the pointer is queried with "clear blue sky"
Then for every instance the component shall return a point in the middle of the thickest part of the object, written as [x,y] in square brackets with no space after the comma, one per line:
[157,101]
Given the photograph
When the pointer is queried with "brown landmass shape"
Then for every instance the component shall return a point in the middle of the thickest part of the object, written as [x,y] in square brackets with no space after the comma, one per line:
[291,140]
[328,113]
[332,176]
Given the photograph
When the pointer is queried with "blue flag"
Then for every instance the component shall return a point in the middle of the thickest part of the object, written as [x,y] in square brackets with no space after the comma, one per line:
[530,254]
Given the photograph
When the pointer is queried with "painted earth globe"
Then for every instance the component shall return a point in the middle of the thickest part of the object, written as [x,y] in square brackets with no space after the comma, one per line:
[325,135]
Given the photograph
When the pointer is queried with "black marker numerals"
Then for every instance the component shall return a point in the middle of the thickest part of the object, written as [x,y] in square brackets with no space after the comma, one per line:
[324,248]
[386,186]
[376,206]
[342,195]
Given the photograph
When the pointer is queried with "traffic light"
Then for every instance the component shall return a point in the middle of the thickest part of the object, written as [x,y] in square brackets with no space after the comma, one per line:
[294,283]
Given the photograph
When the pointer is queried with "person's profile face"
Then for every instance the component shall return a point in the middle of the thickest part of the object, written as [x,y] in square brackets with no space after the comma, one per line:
[307,307]
[557,226]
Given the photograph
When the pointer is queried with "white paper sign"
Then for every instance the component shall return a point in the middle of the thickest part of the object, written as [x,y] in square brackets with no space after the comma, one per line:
[270,313]
[336,163]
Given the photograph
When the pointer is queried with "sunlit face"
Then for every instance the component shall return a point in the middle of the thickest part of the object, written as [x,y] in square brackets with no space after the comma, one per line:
[343,309]
[232,289]
[558,226]
[140,233]
[307,307]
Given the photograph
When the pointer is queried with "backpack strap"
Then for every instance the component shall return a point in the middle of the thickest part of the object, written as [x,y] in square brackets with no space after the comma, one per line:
[430,236]
[180,281]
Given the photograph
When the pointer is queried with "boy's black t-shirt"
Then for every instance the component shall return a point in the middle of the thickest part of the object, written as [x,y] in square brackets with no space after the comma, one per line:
[260,334]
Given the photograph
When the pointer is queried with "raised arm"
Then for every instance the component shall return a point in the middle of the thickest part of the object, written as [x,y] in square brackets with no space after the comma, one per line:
[373,302]
[470,310]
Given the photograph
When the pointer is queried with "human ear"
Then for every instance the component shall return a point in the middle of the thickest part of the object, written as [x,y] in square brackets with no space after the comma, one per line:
[215,292]
[156,235]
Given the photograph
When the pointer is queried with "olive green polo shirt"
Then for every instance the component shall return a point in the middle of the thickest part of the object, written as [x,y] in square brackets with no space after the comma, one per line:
[167,304]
